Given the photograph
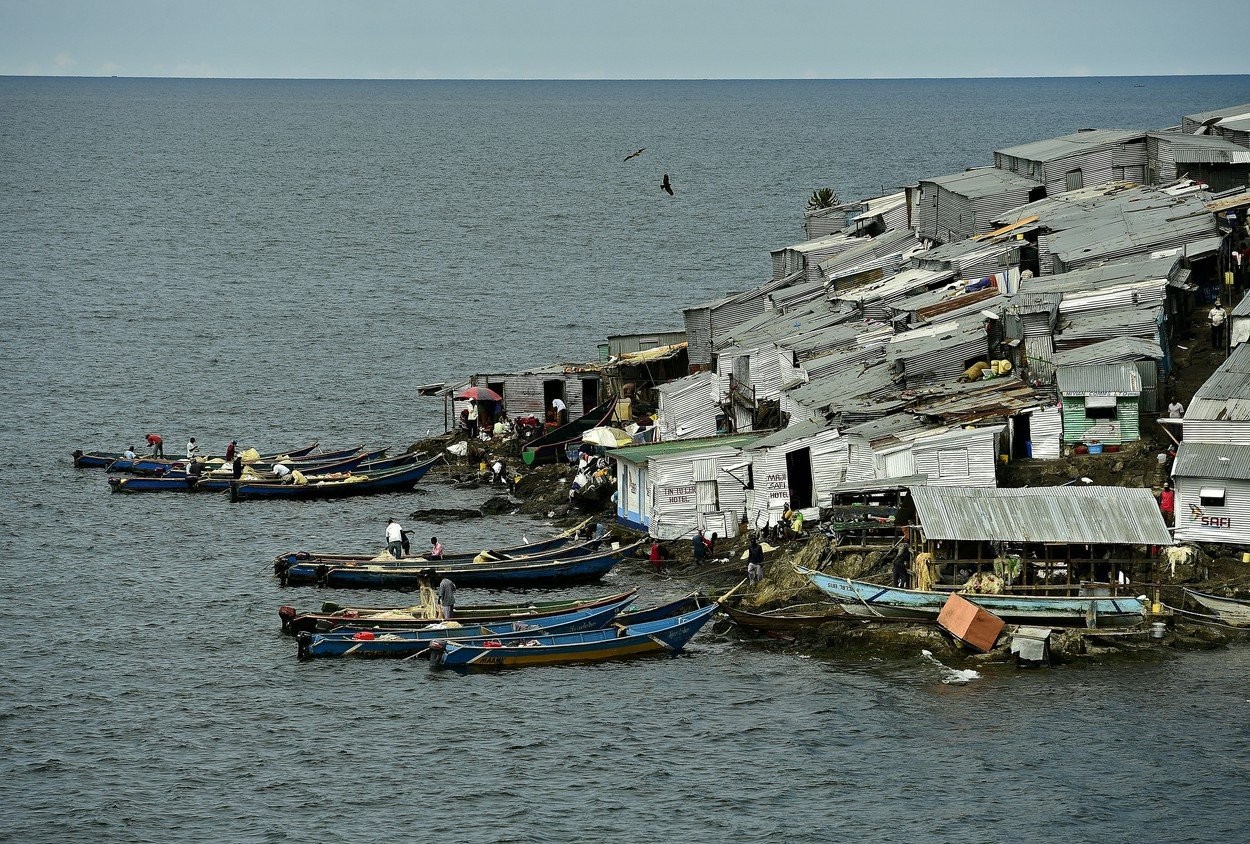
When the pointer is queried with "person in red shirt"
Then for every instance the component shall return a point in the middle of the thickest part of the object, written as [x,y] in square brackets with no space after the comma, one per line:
[158,445]
[1167,503]
[657,559]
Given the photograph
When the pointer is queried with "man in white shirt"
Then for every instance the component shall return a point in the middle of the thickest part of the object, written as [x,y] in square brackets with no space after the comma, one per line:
[394,539]
[561,413]
[281,472]
[1176,410]
[193,449]
[129,453]
[1217,317]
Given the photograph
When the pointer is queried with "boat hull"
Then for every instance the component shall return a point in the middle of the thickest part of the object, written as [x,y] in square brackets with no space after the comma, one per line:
[394,480]
[871,600]
[1229,610]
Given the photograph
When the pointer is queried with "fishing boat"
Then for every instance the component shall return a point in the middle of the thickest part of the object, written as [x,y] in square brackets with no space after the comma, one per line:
[1231,611]
[684,604]
[519,573]
[873,600]
[320,463]
[118,462]
[667,635]
[400,618]
[318,558]
[219,480]
[788,622]
[348,641]
[372,483]
[551,446]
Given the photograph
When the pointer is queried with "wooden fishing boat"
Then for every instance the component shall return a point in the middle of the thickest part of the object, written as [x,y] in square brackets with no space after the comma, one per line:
[118,462]
[310,559]
[788,622]
[380,463]
[551,446]
[219,480]
[684,604]
[348,641]
[1234,612]
[374,483]
[873,600]
[400,618]
[519,573]
[320,463]
[668,635]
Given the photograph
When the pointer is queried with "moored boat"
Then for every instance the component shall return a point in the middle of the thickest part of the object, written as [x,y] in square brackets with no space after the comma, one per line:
[373,483]
[518,573]
[787,622]
[384,618]
[118,462]
[872,600]
[667,635]
[219,480]
[349,641]
[1231,611]
[317,558]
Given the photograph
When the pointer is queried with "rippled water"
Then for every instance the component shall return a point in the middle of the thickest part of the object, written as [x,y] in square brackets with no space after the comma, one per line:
[280,262]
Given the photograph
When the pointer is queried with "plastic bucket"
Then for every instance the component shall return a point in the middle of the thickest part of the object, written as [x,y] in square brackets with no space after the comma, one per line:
[1158,629]
[1095,448]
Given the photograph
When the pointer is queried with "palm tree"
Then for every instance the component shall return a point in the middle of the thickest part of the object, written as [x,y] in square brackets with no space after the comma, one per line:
[822,198]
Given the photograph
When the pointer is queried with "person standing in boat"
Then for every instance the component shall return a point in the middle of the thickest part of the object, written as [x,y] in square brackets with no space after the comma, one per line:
[230,450]
[755,561]
[394,538]
[446,596]
[156,444]
[236,467]
[436,548]
[193,449]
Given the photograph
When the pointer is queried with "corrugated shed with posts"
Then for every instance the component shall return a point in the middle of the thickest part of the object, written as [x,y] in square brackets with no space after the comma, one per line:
[1212,493]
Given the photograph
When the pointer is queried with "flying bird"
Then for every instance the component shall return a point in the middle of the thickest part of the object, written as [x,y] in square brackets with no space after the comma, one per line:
[635,154]
[665,186]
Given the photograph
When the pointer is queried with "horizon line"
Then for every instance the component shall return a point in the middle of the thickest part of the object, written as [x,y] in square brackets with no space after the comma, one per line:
[610,79]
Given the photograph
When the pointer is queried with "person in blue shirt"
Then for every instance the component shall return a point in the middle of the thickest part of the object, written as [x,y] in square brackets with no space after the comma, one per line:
[700,547]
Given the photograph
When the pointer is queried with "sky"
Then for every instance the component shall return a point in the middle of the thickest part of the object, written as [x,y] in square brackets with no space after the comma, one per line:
[627,39]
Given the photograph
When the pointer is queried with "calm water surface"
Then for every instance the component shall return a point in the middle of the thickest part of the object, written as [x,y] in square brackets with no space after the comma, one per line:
[286,261]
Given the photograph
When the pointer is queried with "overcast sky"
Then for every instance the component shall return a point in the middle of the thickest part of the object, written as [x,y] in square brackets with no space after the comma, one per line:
[628,39]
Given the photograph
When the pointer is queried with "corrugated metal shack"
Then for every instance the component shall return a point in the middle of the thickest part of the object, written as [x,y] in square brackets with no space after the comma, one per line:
[1239,322]
[876,299]
[960,205]
[621,344]
[689,408]
[1100,403]
[530,393]
[708,322]
[875,258]
[940,352]
[672,489]
[634,377]
[1219,411]
[1219,163]
[1085,158]
[972,258]
[1056,535]
[803,259]
[1231,123]
[1146,355]
[1212,493]
[795,467]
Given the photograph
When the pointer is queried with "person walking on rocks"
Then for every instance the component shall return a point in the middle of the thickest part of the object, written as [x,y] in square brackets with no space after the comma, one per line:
[755,561]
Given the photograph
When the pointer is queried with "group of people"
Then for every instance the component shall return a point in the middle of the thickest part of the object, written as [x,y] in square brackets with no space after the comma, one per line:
[196,458]
[399,547]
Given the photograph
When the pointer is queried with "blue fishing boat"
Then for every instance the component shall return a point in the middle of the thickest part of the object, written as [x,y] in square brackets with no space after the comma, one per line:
[309,560]
[502,574]
[668,635]
[218,480]
[874,600]
[372,483]
[332,616]
[117,461]
[348,641]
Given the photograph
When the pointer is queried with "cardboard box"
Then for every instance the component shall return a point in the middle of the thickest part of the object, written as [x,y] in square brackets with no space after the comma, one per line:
[976,627]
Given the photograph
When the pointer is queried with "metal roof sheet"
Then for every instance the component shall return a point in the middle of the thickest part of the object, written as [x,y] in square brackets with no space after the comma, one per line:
[1109,351]
[642,453]
[1077,143]
[982,181]
[799,431]
[1225,396]
[1099,379]
[1220,113]
[1075,514]
[1212,460]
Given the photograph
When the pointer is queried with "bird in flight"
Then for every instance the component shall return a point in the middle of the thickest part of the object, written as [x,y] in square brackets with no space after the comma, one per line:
[635,154]
[665,186]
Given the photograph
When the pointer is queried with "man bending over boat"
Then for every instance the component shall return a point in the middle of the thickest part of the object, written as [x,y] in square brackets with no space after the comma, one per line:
[157,444]
[446,597]
[394,539]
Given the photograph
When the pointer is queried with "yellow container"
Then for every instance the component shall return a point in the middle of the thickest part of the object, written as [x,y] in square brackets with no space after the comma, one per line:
[1245,557]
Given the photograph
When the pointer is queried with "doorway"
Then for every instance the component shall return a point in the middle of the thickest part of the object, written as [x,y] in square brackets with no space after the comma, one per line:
[799,475]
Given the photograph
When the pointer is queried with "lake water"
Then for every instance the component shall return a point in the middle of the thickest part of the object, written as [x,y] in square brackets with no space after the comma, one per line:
[286,261]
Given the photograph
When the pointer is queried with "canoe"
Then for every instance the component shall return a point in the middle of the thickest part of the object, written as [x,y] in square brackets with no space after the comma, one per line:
[349,641]
[399,618]
[320,463]
[284,561]
[1231,611]
[374,483]
[787,622]
[106,459]
[684,604]
[504,574]
[380,463]
[668,635]
[550,447]
[873,600]
[178,480]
